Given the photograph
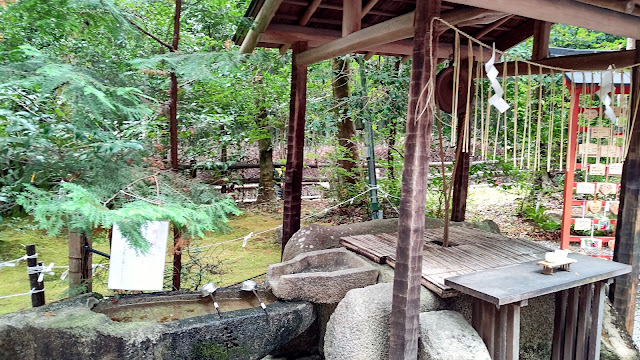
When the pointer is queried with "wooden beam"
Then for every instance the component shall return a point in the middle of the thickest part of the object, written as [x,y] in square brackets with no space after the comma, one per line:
[269,8]
[288,34]
[597,61]
[295,147]
[369,55]
[515,36]
[351,16]
[284,48]
[541,31]
[567,12]
[405,307]
[392,30]
[489,28]
[628,7]
[368,7]
[624,290]
[309,12]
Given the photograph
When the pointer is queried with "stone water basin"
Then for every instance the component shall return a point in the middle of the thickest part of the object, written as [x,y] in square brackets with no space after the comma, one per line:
[154,326]
[323,276]
[171,307]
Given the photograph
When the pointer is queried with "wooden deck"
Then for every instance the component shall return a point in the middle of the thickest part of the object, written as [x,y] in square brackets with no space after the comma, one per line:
[469,251]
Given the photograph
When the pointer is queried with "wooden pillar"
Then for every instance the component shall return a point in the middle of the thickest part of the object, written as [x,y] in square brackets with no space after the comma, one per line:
[406,285]
[627,250]
[570,166]
[295,146]
[37,299]
[461,175]
[541,31]
[80,262]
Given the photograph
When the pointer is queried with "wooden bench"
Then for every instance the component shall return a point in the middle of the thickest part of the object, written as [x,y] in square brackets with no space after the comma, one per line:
[500,293]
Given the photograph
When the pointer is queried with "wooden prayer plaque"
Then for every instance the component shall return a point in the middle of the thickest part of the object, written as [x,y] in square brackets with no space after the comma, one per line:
[610,151]
[588,149]
[585,188]
[598,132]
[597,169]
[590,114]
[607,188]
[615,169]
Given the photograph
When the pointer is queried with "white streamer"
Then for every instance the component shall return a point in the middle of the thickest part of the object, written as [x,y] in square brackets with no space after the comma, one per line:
[246,238]
[606,87]
[492,74]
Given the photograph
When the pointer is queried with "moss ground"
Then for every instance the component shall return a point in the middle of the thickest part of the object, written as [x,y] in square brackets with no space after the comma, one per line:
[233,262]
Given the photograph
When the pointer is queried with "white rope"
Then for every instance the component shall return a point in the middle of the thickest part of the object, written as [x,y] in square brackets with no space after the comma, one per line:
[246,238]
[14,262]
[32,291]
[40,269]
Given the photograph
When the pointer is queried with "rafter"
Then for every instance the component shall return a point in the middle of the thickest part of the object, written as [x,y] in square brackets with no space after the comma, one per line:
[595,62]
[567,12]
[515,36]
[309,12]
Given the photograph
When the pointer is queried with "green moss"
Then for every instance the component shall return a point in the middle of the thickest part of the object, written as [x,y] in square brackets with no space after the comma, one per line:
[209,351]
[236,263]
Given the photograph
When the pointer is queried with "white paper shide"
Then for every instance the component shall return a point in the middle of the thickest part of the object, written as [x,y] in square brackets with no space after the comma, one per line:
[131,270]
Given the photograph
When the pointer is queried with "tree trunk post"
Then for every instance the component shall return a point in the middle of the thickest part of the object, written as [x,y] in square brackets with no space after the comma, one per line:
[173,91]
[37,299]
[80,260]
[461,176]
[406,285]
[266,187]
[177,257]
[346,129]
[295,147]
[624,289]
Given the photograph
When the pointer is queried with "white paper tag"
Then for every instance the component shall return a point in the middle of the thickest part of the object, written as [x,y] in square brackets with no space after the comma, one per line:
[582,224]
[615,169]
[585,188]
[597,169]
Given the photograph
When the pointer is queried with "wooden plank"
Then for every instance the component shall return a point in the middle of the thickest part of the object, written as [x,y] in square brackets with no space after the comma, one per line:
[524,281]
[500,336]
[541,31]
[488,326]
[365,9]
[476,314]
[309,12]
[595,332]
[295,146]
[571,324]
[560,319]
[566,12]
[513,332]
[584,310]
[598,61]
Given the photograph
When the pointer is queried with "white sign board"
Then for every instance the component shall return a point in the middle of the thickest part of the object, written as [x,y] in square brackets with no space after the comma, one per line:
[131,270]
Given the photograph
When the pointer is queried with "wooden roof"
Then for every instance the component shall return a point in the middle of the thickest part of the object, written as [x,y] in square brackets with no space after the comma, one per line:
[386,26]
[325,23]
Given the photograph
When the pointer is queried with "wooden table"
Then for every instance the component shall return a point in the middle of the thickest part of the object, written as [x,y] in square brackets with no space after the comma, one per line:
[500,293]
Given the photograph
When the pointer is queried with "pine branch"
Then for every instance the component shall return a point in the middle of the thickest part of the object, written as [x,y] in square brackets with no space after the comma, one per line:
[168,46]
